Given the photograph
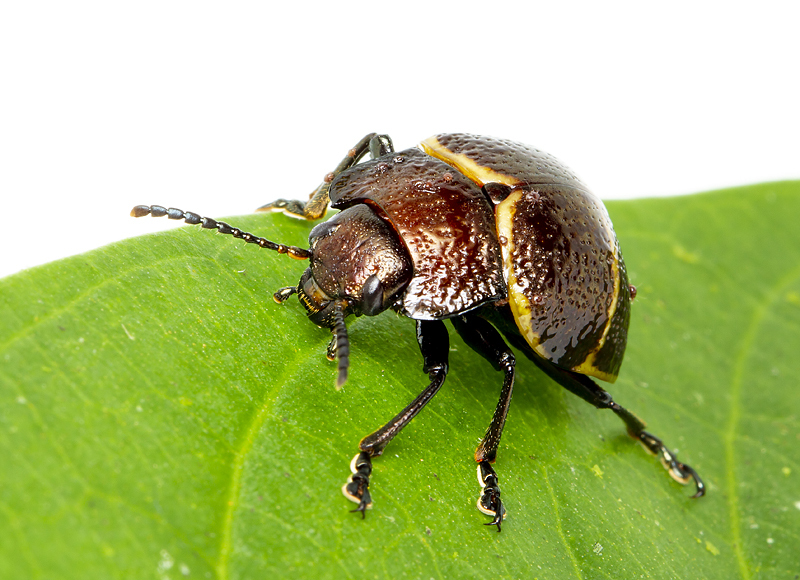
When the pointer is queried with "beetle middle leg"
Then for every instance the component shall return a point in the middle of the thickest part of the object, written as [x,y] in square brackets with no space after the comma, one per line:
[434,343]
[482,337]
[589,391]
[313,209]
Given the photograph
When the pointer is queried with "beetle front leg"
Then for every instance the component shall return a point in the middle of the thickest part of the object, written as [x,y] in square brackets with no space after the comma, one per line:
[313,209]
[434,344]
[480,335]
[589,391]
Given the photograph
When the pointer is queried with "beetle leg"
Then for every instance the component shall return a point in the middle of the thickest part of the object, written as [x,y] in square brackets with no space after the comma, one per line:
[589,391]
[680,472]
[489,501]
[481,336]
[434,344]
[357,487]
[317,203]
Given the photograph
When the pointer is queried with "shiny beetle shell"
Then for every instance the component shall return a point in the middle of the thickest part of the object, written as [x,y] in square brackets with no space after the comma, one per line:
[504,220]
[567,284]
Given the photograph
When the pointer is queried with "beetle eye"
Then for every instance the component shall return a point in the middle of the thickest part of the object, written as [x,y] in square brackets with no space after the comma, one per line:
[372,296]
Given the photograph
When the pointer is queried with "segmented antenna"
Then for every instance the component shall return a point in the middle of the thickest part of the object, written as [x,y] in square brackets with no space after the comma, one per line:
[223,228]
[342,343]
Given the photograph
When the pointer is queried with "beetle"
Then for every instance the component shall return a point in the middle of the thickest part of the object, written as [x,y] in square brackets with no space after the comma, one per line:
[497,237]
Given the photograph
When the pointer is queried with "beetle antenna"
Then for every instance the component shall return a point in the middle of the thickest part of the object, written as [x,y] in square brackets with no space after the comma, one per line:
[223,228]
[342,343]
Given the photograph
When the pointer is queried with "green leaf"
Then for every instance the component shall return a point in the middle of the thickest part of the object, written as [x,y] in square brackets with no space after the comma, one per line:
[162,417]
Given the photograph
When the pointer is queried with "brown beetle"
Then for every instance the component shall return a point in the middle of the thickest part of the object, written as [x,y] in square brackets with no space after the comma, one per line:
[499,238]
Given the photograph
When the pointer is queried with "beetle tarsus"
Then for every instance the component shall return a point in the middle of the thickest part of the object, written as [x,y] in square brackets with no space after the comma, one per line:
[357,487]
[317,204]
[489,501]
[589,391]
[290,207]
[680,472]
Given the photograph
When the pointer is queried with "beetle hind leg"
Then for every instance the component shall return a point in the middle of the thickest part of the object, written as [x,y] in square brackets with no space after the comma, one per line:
[680,472]
[317,204]
[589,391]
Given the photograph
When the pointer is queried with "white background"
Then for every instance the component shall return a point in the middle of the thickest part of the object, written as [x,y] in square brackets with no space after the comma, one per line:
[220,107]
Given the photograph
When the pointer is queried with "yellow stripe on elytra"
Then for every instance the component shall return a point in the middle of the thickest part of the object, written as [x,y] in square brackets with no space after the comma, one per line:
[504,215]
[520,306]
[588,367]
[465,164]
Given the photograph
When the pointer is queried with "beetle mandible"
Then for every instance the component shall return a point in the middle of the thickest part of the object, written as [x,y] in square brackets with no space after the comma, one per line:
[497,237]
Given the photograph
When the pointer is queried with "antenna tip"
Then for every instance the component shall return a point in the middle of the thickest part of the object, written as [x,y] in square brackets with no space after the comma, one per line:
[140,211]
[341,379]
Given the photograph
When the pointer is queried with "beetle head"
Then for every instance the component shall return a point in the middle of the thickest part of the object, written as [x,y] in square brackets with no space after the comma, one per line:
[356,259]
[358,266]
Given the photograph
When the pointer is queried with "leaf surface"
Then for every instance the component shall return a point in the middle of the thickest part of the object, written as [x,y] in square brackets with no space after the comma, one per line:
[162,417]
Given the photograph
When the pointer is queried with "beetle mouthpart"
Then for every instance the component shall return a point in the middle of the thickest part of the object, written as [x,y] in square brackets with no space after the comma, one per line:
[330,351]
[283,294]
[223,228]
[342,343]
